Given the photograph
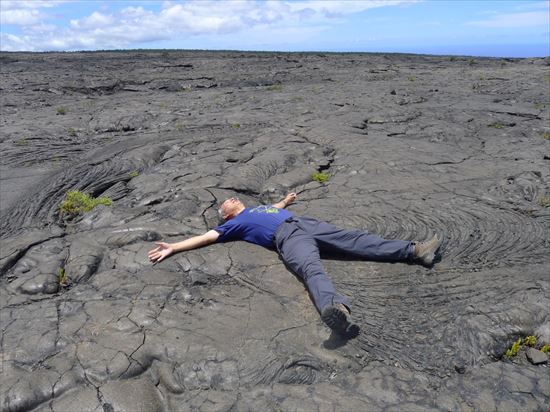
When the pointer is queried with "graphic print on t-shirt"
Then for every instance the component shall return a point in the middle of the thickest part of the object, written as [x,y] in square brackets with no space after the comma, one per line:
[264,209]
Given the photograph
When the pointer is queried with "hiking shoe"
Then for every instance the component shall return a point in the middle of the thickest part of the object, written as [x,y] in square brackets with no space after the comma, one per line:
[424,252]
[337,318]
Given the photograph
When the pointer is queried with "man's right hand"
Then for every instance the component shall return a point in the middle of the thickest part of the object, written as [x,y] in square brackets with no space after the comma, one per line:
[160,252]
[166,249]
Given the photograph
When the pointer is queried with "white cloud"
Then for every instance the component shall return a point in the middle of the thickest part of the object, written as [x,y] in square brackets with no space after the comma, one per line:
[93,21]
[514,20]
[538,5]
[137,25]
[20,17]
[337,8]
[11,42]
[29,4]
[24,13]
[135,12]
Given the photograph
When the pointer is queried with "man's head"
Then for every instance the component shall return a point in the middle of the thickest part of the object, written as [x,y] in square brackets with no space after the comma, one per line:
[230,208]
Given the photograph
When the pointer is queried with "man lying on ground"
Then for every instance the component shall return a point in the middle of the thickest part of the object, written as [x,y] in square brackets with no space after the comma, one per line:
[299,241]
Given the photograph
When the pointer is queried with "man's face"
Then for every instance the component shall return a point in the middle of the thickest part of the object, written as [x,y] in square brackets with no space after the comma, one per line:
[231,207]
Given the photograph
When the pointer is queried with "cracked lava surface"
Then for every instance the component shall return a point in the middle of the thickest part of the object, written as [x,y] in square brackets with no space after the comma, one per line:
[413,145]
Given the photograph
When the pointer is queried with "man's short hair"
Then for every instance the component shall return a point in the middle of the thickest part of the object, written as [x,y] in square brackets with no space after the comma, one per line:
[220,215]
[220,210]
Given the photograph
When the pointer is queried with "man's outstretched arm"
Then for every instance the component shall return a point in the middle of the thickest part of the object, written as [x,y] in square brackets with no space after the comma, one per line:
[290,198]
[164,250]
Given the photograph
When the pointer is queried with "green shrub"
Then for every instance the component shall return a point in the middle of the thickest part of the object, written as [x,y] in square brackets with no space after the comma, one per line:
[133,173]
[513,351]
[21,142]
[543,201]
[496,125]
[545,349]
[275,88]
[62,277]
[530,341]
[72,132]
[61,110]
[320,177]
[546,135]
[76,202]
[236,125]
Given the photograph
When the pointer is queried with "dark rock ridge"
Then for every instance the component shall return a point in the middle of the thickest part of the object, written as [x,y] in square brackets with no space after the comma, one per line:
[414,145]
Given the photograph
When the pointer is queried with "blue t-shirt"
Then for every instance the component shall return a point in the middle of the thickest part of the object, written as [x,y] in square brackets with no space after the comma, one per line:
[255,225]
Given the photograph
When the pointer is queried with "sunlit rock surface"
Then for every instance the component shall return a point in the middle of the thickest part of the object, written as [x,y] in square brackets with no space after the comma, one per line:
[413,145]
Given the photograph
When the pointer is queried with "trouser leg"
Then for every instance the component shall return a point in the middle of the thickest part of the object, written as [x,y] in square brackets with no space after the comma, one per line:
[356,242]
[300,253]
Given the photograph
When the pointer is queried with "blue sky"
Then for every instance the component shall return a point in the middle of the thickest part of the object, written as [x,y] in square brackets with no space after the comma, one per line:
[469,27]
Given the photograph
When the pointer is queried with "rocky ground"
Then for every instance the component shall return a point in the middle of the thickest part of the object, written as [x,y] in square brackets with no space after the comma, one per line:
[413,145]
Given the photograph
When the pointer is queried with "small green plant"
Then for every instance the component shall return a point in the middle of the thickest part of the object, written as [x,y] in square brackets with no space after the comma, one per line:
[21,142]
[543,201]
[412,78]
[545,349]
[540,106]
[320,177]
[236,125]
[546,135]
[452,59]
[471,62]
[275,88]
[62,277]
[72,132]
[513,351]
[76,202]
[133,173]
[496,125]
[530,341]
[547,79]
[61,110]
[180,126]
[482,77]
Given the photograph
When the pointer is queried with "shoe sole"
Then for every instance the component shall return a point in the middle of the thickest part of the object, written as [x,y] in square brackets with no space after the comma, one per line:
[336,320]
[352,331]
[428,258]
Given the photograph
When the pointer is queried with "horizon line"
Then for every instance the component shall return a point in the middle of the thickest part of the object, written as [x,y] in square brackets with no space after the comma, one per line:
[272,51]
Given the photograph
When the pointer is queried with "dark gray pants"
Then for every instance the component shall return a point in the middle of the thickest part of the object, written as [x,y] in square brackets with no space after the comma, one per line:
[299,241]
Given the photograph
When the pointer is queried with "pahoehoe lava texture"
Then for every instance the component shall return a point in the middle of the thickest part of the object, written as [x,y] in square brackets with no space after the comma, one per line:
[413,145]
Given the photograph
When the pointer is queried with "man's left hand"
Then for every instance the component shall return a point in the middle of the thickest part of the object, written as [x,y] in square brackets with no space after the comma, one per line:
[290,198]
